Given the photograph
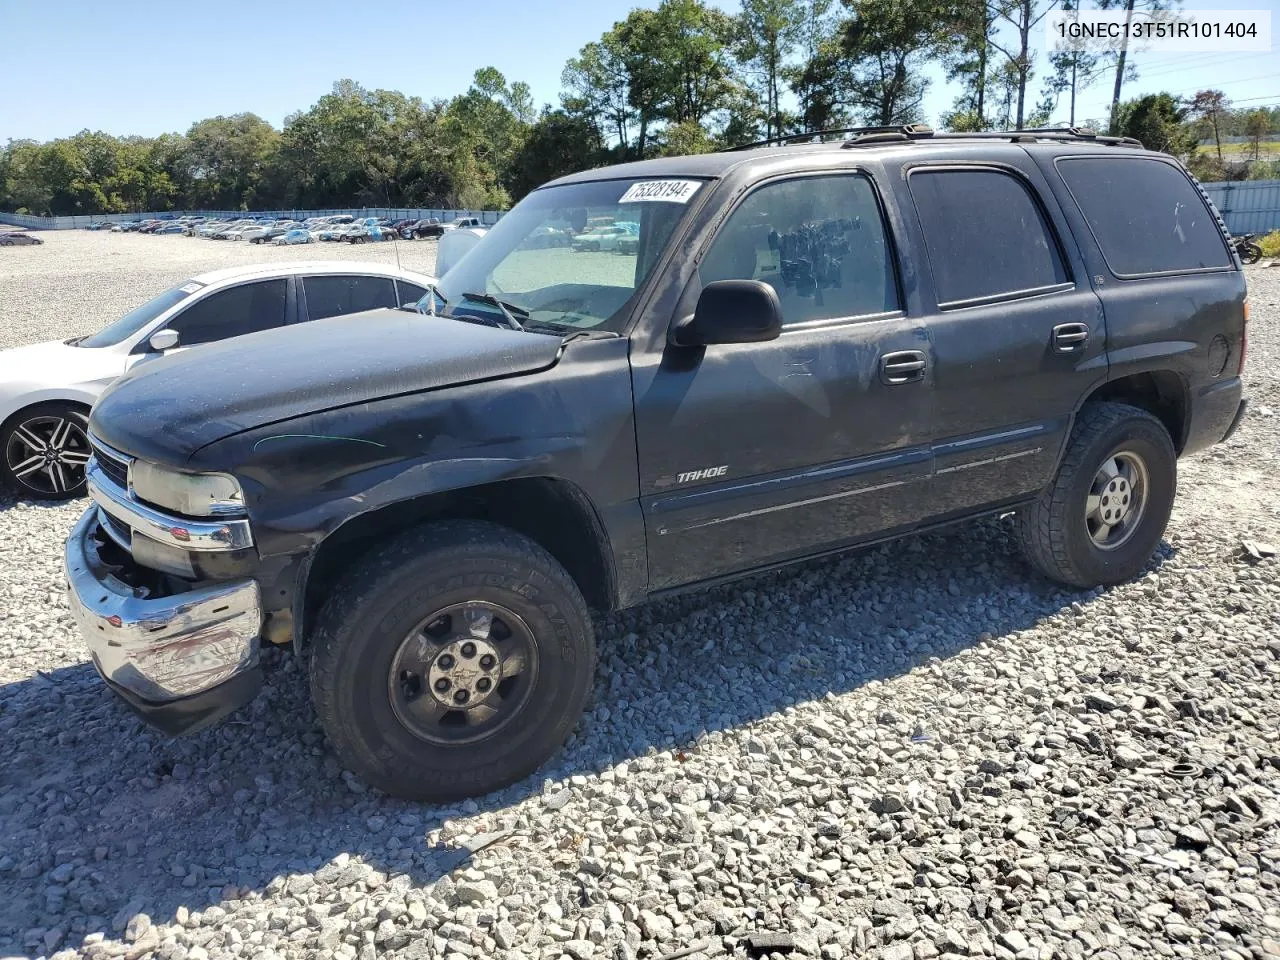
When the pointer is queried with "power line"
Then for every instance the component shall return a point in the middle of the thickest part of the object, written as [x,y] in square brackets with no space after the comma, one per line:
[1211,62]
[1223,83]
[1265,96]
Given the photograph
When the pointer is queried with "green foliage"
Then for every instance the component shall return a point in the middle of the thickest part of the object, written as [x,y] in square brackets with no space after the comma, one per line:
[1270,244]
[1157,121]
[1207,168]
[558,144]
[1257,124]
[352,147]
[686,138]
[767,33]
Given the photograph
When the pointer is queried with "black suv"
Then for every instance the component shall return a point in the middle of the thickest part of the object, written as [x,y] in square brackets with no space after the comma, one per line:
[810,347]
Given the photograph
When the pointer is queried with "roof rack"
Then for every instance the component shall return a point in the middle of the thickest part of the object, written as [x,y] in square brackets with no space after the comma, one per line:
[1032,134]
[899,131]
[909,132]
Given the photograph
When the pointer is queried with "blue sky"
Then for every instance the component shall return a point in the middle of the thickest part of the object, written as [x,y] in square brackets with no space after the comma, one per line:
[150,67]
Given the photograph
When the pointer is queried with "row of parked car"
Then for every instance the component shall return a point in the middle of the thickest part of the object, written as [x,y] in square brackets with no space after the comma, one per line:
[338,227]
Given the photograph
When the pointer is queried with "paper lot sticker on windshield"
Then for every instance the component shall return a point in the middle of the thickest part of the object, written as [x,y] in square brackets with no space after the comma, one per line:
[191,287]
[664,191]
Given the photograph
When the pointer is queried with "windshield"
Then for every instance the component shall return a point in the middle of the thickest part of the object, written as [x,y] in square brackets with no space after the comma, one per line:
[566,257]
[135,320]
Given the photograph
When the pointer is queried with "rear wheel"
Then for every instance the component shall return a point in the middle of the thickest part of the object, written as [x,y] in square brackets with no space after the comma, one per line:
[1250,252]
[451,662]
[45,451]
[1102,518]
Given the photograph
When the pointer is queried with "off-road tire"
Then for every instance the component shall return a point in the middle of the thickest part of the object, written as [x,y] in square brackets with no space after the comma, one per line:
[1250,253]
[1052,530]
[377,604]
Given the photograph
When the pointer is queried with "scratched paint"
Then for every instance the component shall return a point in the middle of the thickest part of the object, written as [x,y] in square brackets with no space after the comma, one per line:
[315,436]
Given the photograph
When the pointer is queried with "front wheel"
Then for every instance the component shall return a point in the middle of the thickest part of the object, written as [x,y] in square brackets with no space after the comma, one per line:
[45,451]
[1102,517]
[451,662]
[1250,253]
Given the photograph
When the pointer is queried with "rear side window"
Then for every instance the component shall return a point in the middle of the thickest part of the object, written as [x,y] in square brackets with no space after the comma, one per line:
[247,308]
[1145,214]
[985,234]
[332,296]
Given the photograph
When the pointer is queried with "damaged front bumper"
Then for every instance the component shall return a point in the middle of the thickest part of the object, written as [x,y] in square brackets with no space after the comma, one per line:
[183,660]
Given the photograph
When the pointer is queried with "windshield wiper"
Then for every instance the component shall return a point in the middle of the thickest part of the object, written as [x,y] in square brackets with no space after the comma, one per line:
[509,310]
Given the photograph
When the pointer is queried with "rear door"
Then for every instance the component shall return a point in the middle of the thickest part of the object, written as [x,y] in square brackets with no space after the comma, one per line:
[755,453]
[335,294]
[1017,332]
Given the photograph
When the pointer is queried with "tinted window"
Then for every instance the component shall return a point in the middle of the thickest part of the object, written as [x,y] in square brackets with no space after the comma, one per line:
[1146,215]
[819,242]
[410,292]
[984,233]
[331,296]
[139,317]
[230,313]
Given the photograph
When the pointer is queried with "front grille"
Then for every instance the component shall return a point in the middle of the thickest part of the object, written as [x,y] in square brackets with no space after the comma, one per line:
[118,531]
[113,464]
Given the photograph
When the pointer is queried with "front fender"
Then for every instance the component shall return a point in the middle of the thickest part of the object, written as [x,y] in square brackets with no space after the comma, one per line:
[305,477]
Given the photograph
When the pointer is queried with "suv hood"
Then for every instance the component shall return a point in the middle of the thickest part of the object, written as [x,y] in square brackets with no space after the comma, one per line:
[169,408]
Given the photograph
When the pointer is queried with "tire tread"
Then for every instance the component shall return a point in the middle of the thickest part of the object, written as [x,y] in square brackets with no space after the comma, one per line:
[450,541]
[1042,527]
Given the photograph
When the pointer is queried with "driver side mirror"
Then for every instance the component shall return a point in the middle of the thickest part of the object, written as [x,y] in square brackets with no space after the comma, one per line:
[731,311]
[163,340]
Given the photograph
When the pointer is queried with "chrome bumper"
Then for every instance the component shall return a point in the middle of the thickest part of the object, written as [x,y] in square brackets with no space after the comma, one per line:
[165,648]
[170,530]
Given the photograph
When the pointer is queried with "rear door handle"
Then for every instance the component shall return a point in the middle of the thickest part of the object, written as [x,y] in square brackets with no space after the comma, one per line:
[1070,337]
[904,366]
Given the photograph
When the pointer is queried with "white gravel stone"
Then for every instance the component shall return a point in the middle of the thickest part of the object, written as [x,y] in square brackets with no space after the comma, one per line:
[851,751]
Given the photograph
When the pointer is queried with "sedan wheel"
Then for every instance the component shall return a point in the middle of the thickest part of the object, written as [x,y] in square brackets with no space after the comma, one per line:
[46,451]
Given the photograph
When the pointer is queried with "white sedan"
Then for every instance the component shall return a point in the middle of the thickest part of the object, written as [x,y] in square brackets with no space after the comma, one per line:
[46,389]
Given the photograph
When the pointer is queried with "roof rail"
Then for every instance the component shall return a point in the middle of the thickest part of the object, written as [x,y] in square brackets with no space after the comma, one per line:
[1044,133]
[909,132]
[898,131]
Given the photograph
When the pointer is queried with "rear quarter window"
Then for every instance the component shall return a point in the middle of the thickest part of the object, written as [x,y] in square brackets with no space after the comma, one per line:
[1146,215]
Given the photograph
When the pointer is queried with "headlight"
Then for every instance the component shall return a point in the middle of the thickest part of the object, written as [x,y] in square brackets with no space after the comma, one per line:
[190,494]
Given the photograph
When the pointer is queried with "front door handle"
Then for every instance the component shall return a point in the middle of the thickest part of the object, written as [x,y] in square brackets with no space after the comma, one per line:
[905,366]
[1070,337]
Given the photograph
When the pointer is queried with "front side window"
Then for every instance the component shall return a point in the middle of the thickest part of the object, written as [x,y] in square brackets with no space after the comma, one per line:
[410,292]
[985,235]
[332,296]
[248,308]
[1146,215]
[820,242]
[555,263]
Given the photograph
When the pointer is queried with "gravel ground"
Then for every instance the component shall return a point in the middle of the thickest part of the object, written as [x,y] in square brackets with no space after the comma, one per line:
[911,752]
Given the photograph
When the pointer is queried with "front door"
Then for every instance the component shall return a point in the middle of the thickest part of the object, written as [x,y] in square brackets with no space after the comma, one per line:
[756,453]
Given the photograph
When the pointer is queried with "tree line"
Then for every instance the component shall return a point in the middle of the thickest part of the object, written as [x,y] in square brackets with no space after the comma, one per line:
[684,77]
